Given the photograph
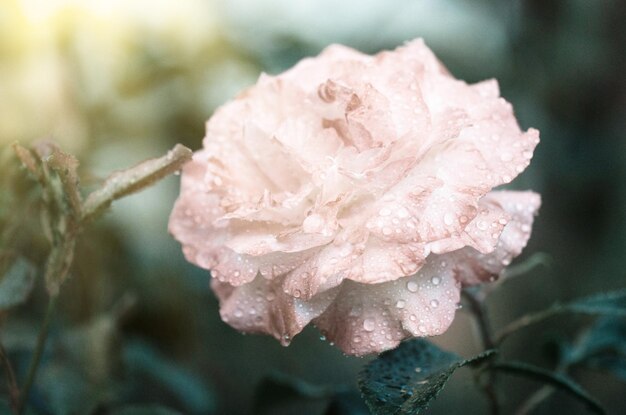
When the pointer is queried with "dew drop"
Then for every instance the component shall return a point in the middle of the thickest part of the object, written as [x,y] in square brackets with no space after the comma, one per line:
[434,303]
[435,280]
[400,304]
[369,324]
[412,286]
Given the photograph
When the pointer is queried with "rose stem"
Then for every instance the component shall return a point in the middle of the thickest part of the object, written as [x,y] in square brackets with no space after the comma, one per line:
[11,382]
[34,365]
[477,307]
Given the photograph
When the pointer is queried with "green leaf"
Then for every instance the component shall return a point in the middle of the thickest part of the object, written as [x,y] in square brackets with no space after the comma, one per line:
[526,266]
[125,182]
[610,303]
[406,379]
[602,347]
[349,403]
[65,166]
[17,283]
[552,378]
[145,361]
[279,388]
[145,410]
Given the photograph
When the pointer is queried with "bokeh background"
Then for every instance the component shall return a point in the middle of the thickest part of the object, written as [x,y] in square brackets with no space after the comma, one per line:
[118,81]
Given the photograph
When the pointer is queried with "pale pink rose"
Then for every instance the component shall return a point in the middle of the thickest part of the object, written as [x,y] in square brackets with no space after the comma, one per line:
[354,192]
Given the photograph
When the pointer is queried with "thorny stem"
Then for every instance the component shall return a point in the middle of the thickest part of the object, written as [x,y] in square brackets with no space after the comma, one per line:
[34,365]
[12,383]
[477,307]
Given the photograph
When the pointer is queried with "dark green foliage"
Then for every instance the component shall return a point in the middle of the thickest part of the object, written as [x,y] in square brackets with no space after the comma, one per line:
[613,303]
[145,362]
[552,378]
[406,379]
[16,284]
[601,347]
[278,389]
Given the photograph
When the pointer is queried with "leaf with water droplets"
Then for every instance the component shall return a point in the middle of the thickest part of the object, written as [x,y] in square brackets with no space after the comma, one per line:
[405,380]
[125,182]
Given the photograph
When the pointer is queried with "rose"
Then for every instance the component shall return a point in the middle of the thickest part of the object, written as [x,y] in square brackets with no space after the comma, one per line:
[354,192]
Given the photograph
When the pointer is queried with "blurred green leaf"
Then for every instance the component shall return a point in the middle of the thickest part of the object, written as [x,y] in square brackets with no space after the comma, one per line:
[602,347]
[279,388]
[613,303]
[142,359]
[348,403]
[609,303]
[145,410]
[17,283]
[552,378]
[535,260]
[405,380]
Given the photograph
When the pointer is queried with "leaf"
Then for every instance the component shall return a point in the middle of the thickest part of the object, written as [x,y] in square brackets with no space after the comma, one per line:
[145,361]
[145,410]
[125,182]
[526,266]
[602,346]
[552,378]
[65,166]
[613,303]
[279,388]
[406,379]
[348,403]
[17,283]
[610,303]
[29,161]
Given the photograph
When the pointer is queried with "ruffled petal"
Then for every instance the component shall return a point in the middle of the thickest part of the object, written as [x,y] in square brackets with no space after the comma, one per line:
[366,318]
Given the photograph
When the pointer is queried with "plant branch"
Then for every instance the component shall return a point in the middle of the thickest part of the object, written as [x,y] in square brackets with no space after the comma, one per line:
[14,390]
[477,307]
[528,320]
[39,348]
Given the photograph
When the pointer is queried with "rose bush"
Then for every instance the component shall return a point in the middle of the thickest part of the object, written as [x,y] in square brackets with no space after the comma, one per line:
[355,192]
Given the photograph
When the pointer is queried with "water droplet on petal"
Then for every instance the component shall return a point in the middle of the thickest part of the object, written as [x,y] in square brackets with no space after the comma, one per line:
[369,324]
[400,304]
[412,286]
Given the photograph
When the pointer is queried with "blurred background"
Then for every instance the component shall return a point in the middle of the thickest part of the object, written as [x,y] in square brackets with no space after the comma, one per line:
[119,81]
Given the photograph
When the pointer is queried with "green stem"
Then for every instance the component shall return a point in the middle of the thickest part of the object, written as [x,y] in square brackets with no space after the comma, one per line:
[527,320]
[34,365]
[11,382]
[479,311]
